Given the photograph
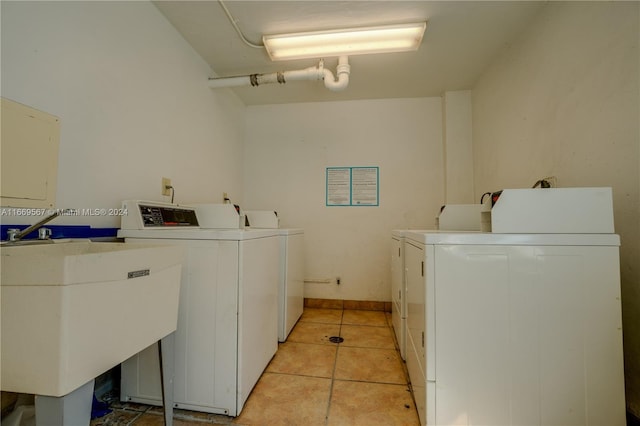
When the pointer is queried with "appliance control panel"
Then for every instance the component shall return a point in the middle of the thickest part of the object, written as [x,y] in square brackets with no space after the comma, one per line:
[154,215]
[167,216]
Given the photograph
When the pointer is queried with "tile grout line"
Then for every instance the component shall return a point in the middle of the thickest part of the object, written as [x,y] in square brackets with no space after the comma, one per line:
[138,416]
[333,373]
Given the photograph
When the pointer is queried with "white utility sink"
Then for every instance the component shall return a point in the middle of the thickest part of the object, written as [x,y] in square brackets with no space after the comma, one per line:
[72,311]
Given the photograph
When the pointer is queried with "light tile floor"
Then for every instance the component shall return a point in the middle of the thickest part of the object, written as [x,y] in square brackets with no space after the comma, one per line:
[312,381]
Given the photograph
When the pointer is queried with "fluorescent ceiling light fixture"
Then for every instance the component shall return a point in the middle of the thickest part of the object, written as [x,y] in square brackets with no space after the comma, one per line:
[354,41]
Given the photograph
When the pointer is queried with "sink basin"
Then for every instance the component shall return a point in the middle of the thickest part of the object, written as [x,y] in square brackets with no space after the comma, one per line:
[72,311]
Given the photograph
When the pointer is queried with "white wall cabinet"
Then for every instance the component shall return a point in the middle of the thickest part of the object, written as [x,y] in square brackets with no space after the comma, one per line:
[519,329]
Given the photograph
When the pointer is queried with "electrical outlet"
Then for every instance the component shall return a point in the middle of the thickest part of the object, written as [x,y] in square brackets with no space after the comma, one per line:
[166,186]
[338,280]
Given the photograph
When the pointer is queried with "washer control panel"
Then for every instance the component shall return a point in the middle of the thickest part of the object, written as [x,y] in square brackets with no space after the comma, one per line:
[149,214]
[153,216]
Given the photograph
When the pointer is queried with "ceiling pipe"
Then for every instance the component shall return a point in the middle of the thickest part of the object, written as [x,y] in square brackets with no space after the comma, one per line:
[342,72]
[312,73]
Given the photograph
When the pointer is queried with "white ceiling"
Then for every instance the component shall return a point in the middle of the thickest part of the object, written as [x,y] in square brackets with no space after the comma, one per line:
[461,39]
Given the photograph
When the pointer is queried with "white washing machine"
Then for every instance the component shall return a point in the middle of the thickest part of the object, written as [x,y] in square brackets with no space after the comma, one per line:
[291,284]
[228,314]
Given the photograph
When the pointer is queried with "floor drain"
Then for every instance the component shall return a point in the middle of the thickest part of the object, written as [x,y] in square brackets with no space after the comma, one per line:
[336,339]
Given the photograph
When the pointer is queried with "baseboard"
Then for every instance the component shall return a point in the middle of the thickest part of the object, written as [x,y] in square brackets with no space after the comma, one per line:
[360,305]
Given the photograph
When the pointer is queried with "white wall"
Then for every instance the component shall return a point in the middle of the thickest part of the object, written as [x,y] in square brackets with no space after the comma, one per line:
[133,102]
[287,150]
[458,148]
[564,101]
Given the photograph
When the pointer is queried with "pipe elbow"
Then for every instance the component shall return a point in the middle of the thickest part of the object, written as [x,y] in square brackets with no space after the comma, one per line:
[335,85]
[342,72]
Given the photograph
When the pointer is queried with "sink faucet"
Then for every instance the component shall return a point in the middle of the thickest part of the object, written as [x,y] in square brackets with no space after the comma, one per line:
[16,234]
